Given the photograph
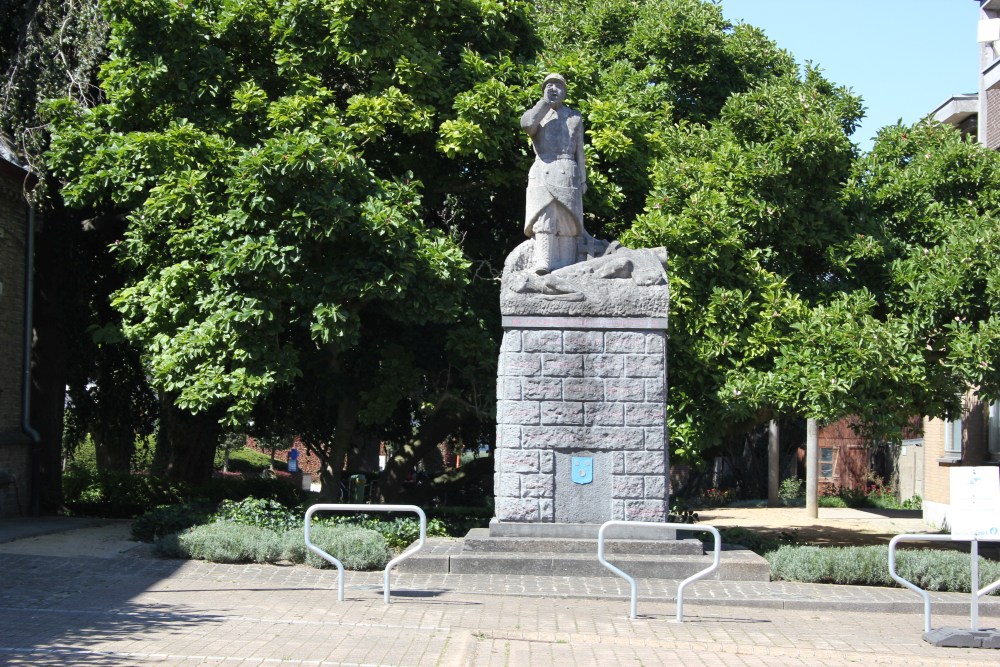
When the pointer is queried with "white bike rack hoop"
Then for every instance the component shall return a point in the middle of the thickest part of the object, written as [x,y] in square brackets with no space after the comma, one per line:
[348,507]
[680,588]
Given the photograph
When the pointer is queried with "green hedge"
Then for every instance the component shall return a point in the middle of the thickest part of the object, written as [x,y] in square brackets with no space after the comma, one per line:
[399,532]
[166,519]
[357,548]
[223,542]
[124,495]
[930,569]
[230,542]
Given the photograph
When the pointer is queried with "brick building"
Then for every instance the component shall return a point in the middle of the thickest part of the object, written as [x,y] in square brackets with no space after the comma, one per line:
[15,446]
[843,457]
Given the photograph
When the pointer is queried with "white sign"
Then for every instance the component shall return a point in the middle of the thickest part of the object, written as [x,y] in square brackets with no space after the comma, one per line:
[975,503]
[988,30]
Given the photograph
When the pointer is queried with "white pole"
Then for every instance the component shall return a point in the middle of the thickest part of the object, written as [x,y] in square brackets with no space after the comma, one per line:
[812,469]
[773,464]
[974,613]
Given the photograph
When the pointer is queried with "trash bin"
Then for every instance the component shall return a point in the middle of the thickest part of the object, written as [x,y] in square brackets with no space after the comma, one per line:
[356,488]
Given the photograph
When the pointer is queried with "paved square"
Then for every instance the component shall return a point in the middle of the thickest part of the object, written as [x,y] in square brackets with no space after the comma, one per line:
[142,611]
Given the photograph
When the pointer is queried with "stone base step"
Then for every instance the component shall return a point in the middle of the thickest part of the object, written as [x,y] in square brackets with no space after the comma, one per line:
[479,541]
[632,531]
[447,555]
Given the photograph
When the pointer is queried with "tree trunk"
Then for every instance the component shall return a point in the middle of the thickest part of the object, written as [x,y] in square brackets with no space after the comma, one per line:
[363,453]
[432,432]
[332,471]
[475,471]
[114,450]
[185,450]
[54,291]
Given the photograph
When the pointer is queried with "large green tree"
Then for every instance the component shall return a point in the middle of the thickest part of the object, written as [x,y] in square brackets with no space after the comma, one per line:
[806,279]
[706,138]
[295,205]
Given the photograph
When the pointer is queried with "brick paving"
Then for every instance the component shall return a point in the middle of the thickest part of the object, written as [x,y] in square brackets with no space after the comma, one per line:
[87,611]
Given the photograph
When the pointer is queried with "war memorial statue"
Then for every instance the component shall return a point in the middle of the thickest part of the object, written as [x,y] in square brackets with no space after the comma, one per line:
[557,180]
[581,386]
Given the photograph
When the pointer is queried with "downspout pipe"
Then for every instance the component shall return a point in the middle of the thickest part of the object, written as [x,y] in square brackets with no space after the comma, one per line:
[29,328]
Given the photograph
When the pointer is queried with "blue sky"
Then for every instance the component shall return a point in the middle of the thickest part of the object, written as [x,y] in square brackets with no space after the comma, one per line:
[904,58]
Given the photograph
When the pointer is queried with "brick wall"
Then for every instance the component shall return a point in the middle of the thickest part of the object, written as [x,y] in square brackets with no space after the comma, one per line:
[850,456]
[15,459]
[937,487]
[13,445]
[564,393]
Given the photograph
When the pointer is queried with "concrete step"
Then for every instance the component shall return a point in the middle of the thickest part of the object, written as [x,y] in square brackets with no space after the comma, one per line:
[734,566]
[447,555]
[479,541]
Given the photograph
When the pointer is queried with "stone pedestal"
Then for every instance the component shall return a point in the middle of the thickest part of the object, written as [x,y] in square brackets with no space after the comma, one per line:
[589,391]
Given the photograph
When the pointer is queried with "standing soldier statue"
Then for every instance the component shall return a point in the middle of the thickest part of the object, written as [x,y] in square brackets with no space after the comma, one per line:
[557,180]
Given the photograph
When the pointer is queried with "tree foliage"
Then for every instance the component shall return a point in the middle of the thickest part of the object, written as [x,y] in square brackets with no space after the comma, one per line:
[48,49]
[635,70]
[319,194]
[806,278]
[283,167]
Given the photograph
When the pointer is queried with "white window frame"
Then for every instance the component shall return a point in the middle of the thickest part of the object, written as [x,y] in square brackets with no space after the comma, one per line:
[832,463]
[953,436]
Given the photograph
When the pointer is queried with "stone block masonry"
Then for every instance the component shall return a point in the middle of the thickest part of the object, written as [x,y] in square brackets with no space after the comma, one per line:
[594,390]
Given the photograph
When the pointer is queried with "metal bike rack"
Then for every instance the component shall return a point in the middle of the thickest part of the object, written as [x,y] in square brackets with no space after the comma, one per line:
[680,588]
[351,507]
[976,594]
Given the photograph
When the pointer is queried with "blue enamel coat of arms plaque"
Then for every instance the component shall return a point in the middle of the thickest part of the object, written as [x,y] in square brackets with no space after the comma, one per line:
[583,469]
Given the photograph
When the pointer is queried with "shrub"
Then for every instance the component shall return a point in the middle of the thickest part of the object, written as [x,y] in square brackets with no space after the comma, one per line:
[119,494]
[357,548]
[930,569]
[459,520]
[718,497]
[760,544]
[247,460]
[853,497]
[680,512]
[398,532]
[169,546]
[791,488]
[258,512]
[832,501]
[238,488]
[401,533]
[76,478]
[224,542]
[166,519]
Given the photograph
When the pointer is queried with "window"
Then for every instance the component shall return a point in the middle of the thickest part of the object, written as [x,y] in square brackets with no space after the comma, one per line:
[826,462]
[953,436]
